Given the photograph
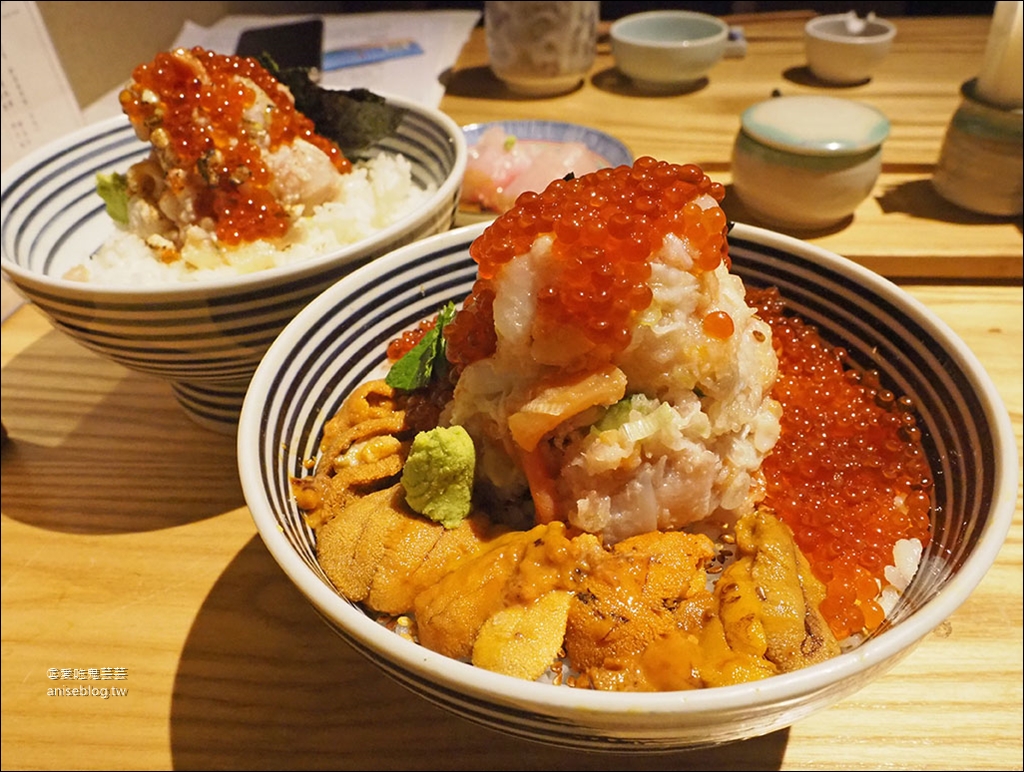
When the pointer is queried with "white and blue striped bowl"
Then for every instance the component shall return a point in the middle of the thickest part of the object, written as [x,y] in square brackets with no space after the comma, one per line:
[205,337]
[339,340]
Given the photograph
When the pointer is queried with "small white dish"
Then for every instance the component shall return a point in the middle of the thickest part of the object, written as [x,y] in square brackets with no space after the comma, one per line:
[803,163]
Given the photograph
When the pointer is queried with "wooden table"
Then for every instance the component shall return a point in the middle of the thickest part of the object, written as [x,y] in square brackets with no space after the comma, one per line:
[904,229]
[127,547]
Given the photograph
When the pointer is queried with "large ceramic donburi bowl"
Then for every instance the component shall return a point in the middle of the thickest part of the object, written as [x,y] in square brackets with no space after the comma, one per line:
[205,337]
[339,340]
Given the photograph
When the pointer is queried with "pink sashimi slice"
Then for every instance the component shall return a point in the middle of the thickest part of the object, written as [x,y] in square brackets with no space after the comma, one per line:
[500,167]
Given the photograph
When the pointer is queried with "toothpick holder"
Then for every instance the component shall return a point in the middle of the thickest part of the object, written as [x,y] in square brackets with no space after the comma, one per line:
[980,165]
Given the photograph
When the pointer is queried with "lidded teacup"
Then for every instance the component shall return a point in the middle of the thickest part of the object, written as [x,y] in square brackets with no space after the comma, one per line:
[807,162]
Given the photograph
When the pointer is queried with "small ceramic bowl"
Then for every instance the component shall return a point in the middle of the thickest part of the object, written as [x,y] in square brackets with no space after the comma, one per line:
[844,49]
[340,339]
[204,337]
[668,50]
[804,163]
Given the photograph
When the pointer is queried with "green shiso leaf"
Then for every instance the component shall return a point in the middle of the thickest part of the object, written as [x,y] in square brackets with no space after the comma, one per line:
[355,119]
[113,189]
[427,358]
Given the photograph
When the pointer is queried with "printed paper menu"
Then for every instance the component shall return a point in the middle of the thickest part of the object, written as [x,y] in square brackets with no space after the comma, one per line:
[37,100]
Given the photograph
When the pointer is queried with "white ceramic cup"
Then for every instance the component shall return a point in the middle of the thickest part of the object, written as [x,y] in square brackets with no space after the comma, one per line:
[668,50]
[541,48]
[843,49]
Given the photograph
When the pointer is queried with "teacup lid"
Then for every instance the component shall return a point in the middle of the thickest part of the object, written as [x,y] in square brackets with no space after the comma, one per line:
[815,125]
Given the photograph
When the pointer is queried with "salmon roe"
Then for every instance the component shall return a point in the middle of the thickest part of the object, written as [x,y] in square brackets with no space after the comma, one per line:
[605,227]
[848,474]
[406,342]
[192,105]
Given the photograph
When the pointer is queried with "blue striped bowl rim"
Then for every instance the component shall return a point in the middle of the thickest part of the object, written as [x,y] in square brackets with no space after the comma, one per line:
[339,340]
[52,216]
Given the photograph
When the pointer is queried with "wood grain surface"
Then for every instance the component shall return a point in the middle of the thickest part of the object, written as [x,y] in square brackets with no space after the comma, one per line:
[127,547]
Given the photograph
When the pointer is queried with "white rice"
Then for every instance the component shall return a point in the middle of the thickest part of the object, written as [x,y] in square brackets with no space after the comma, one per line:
[375,195]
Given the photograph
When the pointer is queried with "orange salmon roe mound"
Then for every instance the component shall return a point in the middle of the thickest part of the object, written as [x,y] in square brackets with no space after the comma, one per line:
[605,225]
[196,121]
[848,473]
